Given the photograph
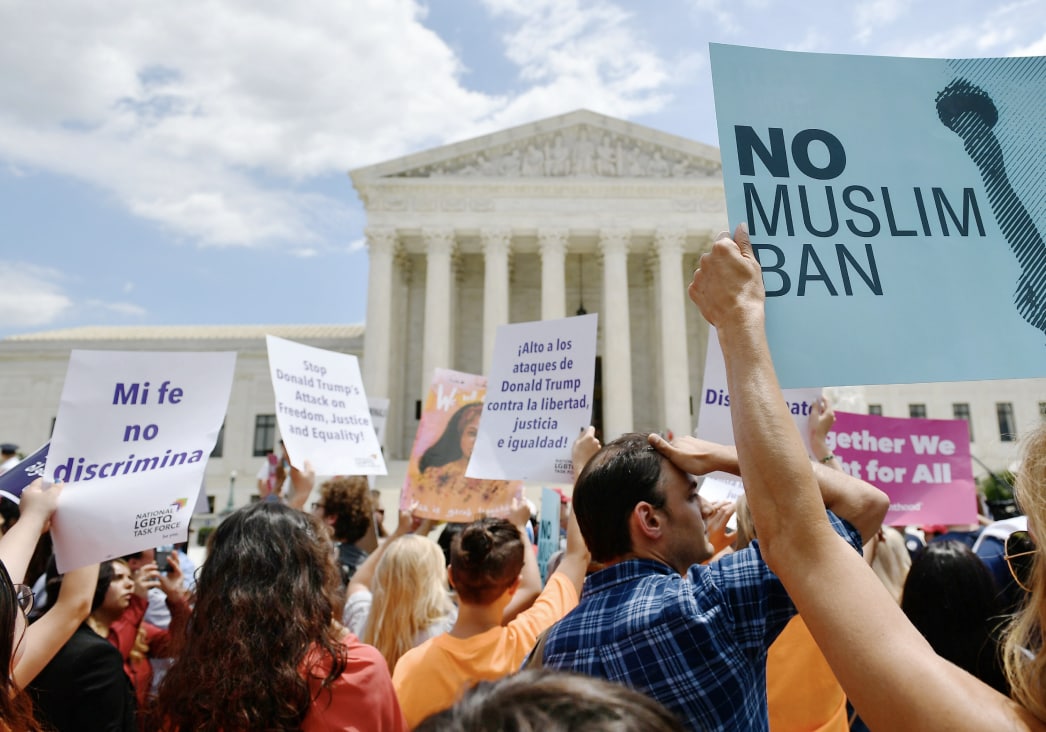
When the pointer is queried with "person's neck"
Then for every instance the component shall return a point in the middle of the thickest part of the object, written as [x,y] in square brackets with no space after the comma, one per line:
[475,619]
[99,623]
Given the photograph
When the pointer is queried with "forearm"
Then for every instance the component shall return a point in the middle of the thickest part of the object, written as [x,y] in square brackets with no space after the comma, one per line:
[529,585]
[46,636]
[860,503]
[19,543]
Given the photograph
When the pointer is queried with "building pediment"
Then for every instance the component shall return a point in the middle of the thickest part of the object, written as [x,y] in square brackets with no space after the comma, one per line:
[581,144]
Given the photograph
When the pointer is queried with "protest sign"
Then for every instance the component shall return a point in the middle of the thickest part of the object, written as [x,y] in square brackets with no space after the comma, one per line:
[436,485]
[539,399]
[131,439]
[14,481]
[923,465]
[322,410]
[713,420]
[548,529]
[894,205]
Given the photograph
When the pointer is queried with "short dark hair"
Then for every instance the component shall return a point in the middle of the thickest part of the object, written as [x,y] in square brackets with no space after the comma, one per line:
[485,559]
[625,472]
[348,499]
[553,701]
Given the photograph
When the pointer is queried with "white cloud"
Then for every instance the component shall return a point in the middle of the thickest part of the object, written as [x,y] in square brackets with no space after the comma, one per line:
[358,245]
[1035,48]
[125,309]
[31,296]
[872,15]
[202,115]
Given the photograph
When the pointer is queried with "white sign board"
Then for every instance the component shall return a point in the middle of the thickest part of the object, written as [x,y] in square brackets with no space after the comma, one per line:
[539,398]
[322,410]
[131,440]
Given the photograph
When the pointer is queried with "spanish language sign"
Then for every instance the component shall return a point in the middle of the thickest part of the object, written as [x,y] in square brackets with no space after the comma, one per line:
[539,399]
[436,486]
[322,410]
[131,440]
[896,208]
[923,465]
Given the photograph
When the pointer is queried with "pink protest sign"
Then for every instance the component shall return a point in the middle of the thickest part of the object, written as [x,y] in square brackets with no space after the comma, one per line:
[922,464]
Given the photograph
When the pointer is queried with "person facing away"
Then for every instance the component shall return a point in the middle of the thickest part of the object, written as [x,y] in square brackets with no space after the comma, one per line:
[487,559]
[262,649]
[347,509]
[951,597]
[694,637]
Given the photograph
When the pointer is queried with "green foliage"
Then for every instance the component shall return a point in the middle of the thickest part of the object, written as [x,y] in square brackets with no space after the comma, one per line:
[993,487]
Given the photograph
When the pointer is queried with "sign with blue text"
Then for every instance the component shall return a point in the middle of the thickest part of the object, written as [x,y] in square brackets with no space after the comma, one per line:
[131,441]
[896,207]
[539,398]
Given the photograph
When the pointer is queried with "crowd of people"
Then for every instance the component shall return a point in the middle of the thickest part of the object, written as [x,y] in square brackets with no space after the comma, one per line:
[657,614]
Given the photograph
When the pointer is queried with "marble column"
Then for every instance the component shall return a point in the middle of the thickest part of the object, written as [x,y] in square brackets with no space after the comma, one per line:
[671,303]
[617,341]
[496,248]
[377,338]
[552,244]
[436,344]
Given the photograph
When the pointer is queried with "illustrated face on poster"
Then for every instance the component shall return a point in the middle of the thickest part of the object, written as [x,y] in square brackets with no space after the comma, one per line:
[923,465]
[436,486]
[131,441]
[540,397]
[895,207]
[322,410]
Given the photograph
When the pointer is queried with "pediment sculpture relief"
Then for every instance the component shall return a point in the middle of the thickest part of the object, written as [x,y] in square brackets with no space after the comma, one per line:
[580,152]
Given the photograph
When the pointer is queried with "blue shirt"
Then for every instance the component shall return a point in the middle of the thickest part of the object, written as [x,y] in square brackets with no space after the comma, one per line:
[695,643]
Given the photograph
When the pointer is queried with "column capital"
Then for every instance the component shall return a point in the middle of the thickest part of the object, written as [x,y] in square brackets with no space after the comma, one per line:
[439,241]
[668,241]
[553,242]
[615,241]
[495,241]
[380,240]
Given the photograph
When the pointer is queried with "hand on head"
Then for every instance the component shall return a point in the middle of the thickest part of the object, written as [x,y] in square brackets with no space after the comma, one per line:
[728,283]
[693,455]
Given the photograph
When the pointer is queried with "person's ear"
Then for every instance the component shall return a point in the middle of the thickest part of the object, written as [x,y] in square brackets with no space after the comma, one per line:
[514,586]
[450,577]
[646,520]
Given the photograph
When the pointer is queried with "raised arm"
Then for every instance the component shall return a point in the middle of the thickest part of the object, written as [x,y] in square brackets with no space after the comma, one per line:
[530,576]
[364,575]
[860,503]
[37,506]
[576,556]
[46,636]
[889,672]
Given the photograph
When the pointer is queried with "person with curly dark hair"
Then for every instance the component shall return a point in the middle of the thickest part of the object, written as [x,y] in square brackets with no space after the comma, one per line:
[347,509]
[262,649]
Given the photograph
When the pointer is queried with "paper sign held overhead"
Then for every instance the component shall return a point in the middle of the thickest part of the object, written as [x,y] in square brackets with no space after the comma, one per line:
[322,410]
[131,440]
[538,400]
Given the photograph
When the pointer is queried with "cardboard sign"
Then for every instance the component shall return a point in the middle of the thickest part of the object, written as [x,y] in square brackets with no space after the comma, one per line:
[895,206]
[539,398]
[131,440]
[922,464]
[436,485]
[322,410]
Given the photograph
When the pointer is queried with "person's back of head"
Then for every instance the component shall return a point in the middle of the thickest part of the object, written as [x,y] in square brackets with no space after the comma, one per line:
[446,538]
[951,598]
[552,701]
[265,599]
[486,559]
[619,476]
[347,507]
[409,594]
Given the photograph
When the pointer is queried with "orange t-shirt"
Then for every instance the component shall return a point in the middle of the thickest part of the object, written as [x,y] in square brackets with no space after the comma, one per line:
[801,691]
[430,677]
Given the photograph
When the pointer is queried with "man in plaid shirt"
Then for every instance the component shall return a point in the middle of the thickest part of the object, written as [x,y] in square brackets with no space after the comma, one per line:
[691,635]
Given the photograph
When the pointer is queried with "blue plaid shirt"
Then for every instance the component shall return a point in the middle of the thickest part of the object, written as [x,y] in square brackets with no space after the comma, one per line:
[696,643]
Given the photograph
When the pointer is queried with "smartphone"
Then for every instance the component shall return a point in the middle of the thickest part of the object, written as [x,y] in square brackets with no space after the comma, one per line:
[162,552]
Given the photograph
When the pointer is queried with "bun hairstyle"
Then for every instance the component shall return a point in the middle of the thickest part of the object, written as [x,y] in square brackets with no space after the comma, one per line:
[485,559]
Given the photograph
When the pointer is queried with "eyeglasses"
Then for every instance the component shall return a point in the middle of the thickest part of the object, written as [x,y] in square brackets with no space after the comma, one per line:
[25,597]
[1020,556]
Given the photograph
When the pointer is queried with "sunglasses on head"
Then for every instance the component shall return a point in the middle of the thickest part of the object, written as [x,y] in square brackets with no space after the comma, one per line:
[1020,556]
[24,597]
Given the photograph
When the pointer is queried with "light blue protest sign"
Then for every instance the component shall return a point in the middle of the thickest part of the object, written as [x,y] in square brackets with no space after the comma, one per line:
[896,207]
[548,530]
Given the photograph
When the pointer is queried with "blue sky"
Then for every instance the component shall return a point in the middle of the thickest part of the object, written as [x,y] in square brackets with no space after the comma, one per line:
[186,163]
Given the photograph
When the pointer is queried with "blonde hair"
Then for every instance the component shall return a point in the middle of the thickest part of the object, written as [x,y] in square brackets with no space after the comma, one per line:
[410,594]
[745,525]
[1024,661]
